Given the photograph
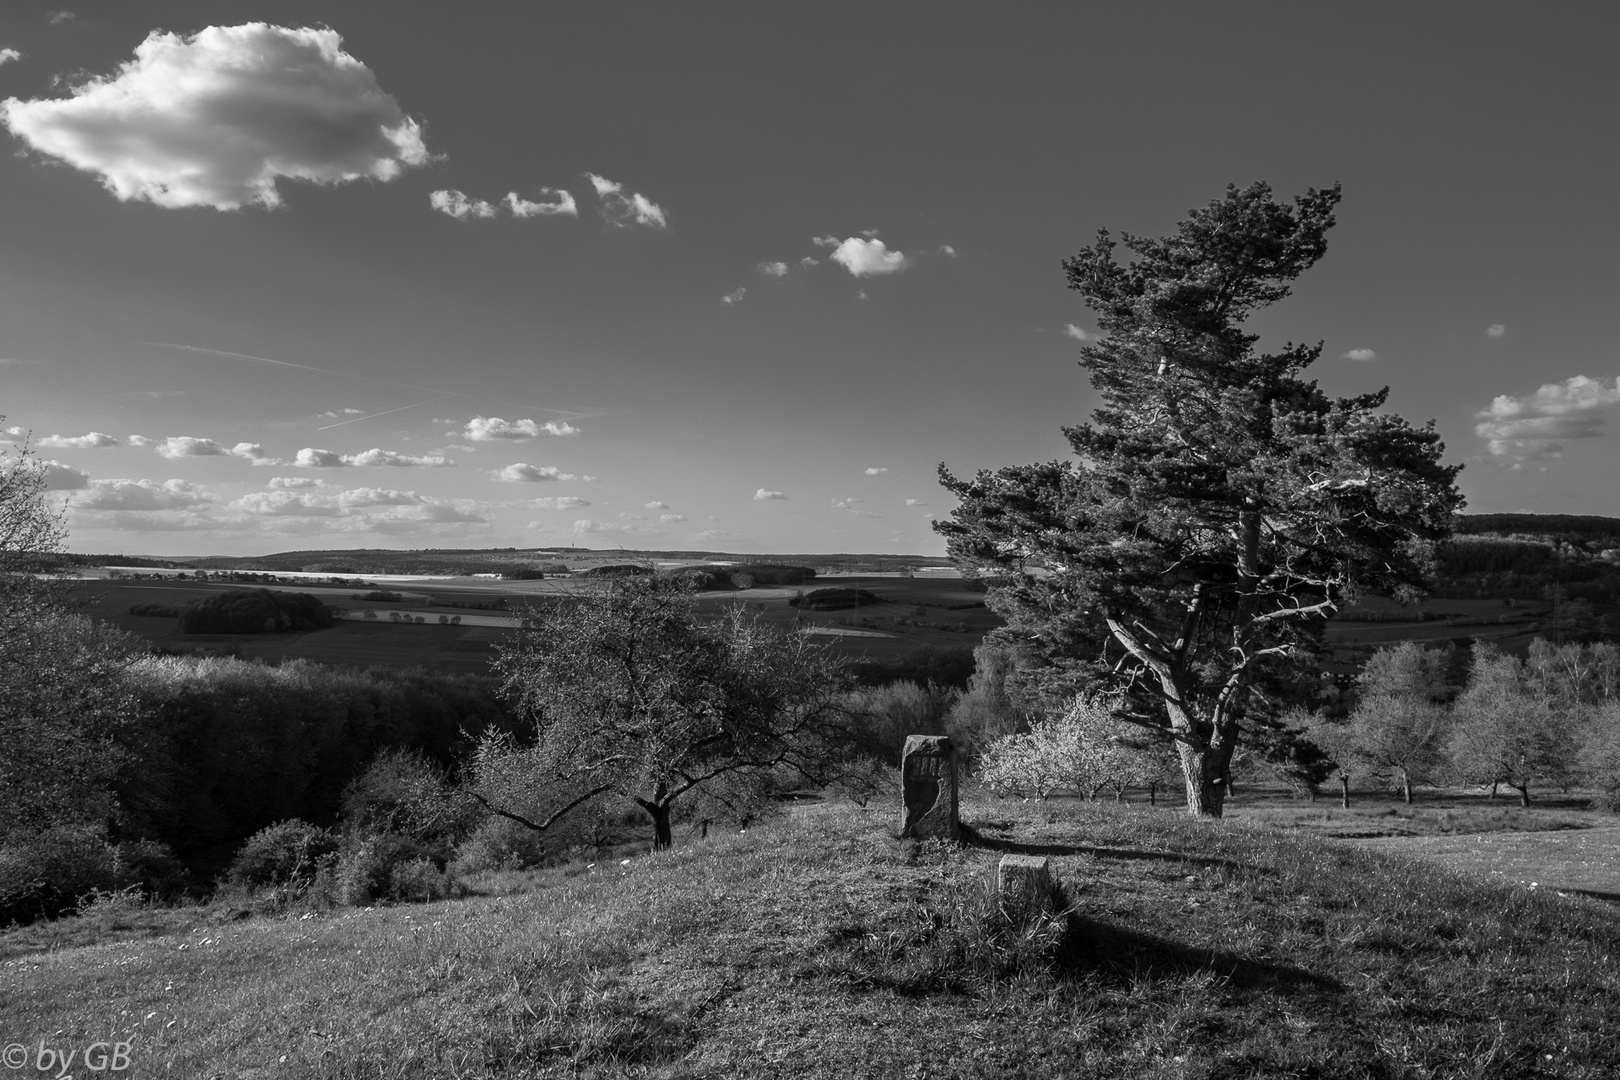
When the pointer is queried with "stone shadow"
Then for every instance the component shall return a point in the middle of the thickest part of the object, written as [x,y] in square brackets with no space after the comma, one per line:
[973,838]
[1116,955]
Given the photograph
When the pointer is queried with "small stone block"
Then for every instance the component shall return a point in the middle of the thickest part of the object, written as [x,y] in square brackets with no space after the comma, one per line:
[928,788]
[1024,883]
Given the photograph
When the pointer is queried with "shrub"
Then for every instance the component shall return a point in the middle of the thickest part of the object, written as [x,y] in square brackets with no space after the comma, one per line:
[155,611]
[377,867]
[502,844]
[255,611]
[287,852]
[45,874]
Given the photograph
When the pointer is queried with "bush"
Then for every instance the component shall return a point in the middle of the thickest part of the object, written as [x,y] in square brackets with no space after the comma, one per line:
[379,596]
[155,611]
[288,852]
[255,611]
[388,867]
[45,874]
[836,599]
[501,844]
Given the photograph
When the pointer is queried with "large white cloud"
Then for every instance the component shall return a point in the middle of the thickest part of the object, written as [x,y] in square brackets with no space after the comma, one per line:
[623,209]
[360,509]
[865,257]
[1536,425]
[311,457]
[184,446]
[491,428]
[81,442]
[216,118]
[142,496]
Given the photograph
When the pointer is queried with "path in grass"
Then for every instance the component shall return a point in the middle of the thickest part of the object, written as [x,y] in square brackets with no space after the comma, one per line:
[1571,860]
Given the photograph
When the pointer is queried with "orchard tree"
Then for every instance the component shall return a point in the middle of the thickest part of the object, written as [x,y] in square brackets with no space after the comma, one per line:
[629,692]
[1399,726]
[1218,508]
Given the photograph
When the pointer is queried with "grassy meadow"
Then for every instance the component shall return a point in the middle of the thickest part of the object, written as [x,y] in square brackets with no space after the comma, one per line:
[820,945]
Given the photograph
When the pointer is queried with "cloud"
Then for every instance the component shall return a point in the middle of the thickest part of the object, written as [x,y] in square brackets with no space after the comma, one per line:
[141,496]
[670,519]
[1078,333]
[762,495]
[142,440]
[587,526]
[773,269]
[915,502]
[8,55]
[946,249]
[877,470]
[294,483]
[184,446]
[459,206]
[57,18]
[522,473]
[60,477]
[561,203]
[361,509]
[624,210]
[1535,426]
[865,258]
[845,504]
[335,413]
[1496,330]
[809,260]
[216,118]
[1361,355]
[490,428]
[253,452]
[561,502]
[734,297]
[311,458]
[80,442]
[377,457]
[656,505]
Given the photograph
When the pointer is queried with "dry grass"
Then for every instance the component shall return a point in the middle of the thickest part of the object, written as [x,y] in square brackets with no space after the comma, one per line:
[822,946]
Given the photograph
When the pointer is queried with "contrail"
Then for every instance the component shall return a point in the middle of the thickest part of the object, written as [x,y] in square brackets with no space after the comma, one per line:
[301,367]
[369,416]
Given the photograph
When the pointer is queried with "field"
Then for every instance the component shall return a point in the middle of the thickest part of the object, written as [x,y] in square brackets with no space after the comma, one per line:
[915,612]
[820,946]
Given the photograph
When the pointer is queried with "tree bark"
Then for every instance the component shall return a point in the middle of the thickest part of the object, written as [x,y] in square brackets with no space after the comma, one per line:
[1524,793]
[658,808]
[1344,791]
[1406,788]
[1206,794]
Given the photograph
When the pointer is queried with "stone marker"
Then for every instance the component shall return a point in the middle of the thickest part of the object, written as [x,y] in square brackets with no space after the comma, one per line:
[928,788]
[1024,883]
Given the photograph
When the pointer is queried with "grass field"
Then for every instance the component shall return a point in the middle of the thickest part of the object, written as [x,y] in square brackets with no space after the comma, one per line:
[917,612]
[821,946]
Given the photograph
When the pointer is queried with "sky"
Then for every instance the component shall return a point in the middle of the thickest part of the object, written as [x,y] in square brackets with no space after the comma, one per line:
[736,276]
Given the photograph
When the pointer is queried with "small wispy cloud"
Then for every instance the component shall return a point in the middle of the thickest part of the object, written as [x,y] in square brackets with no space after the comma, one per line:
[1079,333]
[524,473]
[80,442]
[491,428]
[763,495]
[460,206]
[915,502]
[8,55]
[735,296]
[1496,330]
[558,203]
[560,502]
[877,470]
[773,269]
[622,208]
[1361,355]
[670,519]
[656,505]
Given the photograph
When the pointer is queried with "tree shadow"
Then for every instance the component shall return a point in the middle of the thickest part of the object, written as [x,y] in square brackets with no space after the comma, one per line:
[1114,954]
[1595,894]
[973,838]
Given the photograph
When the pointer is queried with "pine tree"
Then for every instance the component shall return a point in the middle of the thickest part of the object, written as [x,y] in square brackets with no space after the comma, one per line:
[1219,507]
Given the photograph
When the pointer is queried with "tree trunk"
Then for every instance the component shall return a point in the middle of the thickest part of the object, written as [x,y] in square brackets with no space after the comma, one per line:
[658,808]
[1344,791]
[1494,783]
[1406,788]
[1524,793]
[1153,794]
[1206,794]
